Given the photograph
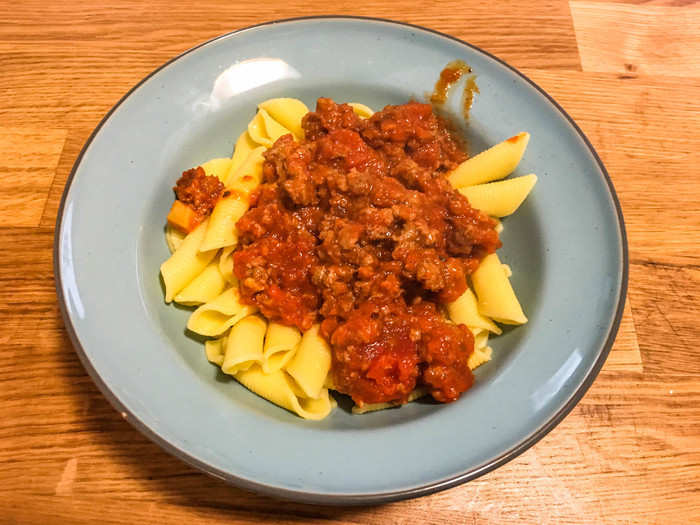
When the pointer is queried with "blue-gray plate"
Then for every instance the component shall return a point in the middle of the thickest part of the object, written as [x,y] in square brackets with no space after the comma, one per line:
[566,246]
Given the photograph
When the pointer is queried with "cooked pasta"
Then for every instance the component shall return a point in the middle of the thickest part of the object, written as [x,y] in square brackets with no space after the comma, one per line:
[214,349]
[265,130]
[203,288]
[466,311]
[218,168]
[289,367]
[492,164]
[281,344]
[244,347]
[173,237]
[219,314]
[249,175]
[186,263]
[244,146]
[361,110]
[496,298]
[311,363]
[288,112]
[221,231]
[278,388]
[501,198]
[226,264]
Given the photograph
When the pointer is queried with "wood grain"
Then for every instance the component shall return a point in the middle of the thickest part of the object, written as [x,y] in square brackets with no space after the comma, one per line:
[628,453]
[649,141]
[28,160]
[644,39]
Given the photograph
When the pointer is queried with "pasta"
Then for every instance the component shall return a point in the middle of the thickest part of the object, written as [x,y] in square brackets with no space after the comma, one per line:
[203,288]
[492,164]
[311,363]
[289,367]
[226,264]
[215,349]
[249,175]
[218,168]
[265,130]
[501,198]
[244,346]
[173,237]
[221,231]
[186,263]
[219,314]
[466,311]
[281,344]
[361,110]
[277,387]
[288,112]
[244,147]
[495,294]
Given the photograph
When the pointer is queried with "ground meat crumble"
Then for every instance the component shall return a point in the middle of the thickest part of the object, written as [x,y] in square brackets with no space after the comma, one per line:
[357,227]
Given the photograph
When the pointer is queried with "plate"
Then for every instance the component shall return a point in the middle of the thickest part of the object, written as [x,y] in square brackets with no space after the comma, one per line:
[566,246]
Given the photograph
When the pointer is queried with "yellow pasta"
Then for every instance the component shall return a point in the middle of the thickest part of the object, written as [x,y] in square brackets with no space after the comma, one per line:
[501,198]
[222,222]
[479,356]
[496,298]
[203,288]
[186,263]
[265,130]
[173,237]
[249,175]
[361,110]
[492,164]
[277,388]
[280,345]
[217,168]
[215,349]
[507,270]
[231,207]
[498,227]
[311,363]
[244,146]
[464,310]
[244,347]
[217,316]
[226,265]
[288,112]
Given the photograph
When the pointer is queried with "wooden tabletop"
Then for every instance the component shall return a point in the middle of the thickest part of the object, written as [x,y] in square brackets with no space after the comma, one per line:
[629,74]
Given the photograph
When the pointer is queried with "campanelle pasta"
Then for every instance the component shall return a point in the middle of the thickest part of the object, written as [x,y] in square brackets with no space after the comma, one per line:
[186,263]
[278,362]
[203,288]
[219,314]
[281,344]
[493,164]
[244,347]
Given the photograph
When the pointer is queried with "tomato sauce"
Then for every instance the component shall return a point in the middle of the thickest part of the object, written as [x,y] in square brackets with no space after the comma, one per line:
[357,227]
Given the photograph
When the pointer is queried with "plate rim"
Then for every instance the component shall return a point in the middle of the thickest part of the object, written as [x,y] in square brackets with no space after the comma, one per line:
[339,498]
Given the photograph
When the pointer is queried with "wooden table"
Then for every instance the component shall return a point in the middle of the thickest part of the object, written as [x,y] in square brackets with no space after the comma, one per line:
[628,72]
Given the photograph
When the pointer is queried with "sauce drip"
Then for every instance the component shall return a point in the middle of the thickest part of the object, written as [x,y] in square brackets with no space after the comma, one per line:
[449,76]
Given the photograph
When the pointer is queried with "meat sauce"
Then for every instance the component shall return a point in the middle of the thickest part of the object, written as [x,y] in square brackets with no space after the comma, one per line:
[357,227]
[199,191]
